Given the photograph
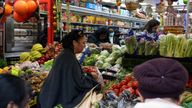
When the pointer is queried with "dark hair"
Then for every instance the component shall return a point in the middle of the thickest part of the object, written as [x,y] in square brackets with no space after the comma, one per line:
[67,41]
[100,31]
[14,89]
[150,24]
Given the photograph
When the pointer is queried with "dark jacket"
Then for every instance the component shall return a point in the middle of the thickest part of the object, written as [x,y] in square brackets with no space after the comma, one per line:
[66,83]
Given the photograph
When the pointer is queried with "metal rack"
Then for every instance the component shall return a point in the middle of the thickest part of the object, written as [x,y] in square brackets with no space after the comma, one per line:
[104,14]
[90,24]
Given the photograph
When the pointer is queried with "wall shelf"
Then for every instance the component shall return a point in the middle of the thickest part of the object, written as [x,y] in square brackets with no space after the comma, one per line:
[104,14]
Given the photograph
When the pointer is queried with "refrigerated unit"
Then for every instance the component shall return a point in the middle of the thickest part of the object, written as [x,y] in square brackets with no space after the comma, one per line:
[19,37]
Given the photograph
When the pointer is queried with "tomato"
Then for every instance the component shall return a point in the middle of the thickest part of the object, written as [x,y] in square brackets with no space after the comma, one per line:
[131,90]
[124,82]
[128,78]
[114,86]
[116,91]
[135,84]
[124,87]
[121,89]
[119,85]
[129,84]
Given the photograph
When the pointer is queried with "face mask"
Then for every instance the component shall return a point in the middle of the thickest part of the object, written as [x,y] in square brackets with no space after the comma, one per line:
[111,34]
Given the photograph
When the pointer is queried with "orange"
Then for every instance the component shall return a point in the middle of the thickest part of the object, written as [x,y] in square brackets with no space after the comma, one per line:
[21,7]
[8,9]
[19,18]
[32,6]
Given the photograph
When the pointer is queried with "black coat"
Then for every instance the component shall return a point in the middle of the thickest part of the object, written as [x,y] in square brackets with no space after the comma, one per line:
[66,83]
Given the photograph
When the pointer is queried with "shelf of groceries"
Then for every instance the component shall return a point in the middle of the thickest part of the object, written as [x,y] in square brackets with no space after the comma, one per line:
[104,14]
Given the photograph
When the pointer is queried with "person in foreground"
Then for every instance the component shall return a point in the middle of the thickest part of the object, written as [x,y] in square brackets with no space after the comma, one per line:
[66,83]
[161,82]
[14,92]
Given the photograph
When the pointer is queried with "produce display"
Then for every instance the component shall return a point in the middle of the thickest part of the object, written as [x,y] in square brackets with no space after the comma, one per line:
[40,54]
[178,46]
[128,83]
[186,99]
[141,47]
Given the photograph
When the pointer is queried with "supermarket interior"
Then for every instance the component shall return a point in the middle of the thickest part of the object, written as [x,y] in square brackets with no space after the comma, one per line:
[96,53]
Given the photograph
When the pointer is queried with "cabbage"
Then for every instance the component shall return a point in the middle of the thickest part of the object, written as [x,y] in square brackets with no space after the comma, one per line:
[106,66]
[116,54]
[123,49]
[115,48]
[119,60]
[101,57]
[99,64]
[110,60]
[104,53]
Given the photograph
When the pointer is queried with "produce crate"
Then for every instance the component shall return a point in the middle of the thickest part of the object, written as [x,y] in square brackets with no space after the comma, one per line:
[130,61]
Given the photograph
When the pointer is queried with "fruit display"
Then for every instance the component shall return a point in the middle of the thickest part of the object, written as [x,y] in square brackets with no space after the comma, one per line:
[120,95]
[35,79]
[128,83]
[23,10]
[131,44]
[40,54]
[48,65]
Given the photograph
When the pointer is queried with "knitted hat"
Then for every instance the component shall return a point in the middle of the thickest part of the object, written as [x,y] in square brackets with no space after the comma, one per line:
[161,78]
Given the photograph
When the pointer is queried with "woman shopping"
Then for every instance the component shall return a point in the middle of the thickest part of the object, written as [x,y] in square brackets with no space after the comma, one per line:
[150,31]
[66,83]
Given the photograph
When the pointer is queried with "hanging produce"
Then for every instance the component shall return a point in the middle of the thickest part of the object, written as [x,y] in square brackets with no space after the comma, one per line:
[7,9]
[131,4]
[32,6]
[185,1]
[19,18]
[21,7]
[118,2]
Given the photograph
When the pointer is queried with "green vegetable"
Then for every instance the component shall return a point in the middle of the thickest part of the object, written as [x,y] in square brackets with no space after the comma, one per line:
[188,50]
[151,48]
[116,48]
[131,44]
[181,44]
[48,65]
[90,61]
[99,64]
[58,106]
[123,49]
[167,45]
[171,41]
[163,46]
[104,53]
[141,47]
[119,60]
[106,66]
